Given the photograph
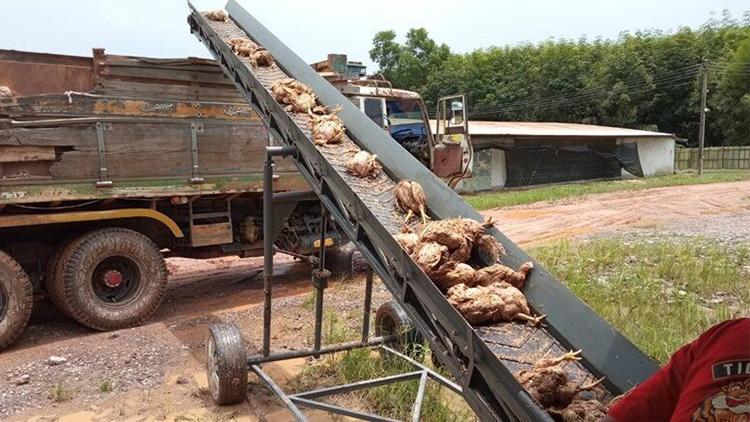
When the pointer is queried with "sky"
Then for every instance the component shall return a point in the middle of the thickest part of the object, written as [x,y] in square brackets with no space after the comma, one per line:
[158,28]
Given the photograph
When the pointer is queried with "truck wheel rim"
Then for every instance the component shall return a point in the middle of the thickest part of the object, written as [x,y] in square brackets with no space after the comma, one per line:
[213,375]
[3,302]
[116,280]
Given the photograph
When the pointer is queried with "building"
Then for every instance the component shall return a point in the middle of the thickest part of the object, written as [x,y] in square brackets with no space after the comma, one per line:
[516,154]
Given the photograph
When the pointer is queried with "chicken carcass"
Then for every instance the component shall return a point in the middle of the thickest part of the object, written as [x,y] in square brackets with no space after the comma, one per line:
[410,198]
[295,95]
[488,247]
[363,164]
[498,272]
[261,58]
[448,232]
[460,273]
[408,241]
[428,255]
[547,382]
[485,304]
[581,410]
[326,129]
[217,15]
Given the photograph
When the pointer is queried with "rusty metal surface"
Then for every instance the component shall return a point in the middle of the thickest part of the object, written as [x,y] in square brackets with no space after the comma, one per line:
[39,73]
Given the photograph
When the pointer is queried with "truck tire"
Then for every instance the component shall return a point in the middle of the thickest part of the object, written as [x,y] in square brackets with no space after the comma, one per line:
[16,300]
[53,272]
[226,364]
[112,278]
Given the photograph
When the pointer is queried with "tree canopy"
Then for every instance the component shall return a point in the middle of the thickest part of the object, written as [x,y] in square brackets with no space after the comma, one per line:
[645,79]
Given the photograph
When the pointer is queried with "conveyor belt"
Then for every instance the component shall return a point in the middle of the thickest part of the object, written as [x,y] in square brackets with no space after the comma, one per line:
[482,360]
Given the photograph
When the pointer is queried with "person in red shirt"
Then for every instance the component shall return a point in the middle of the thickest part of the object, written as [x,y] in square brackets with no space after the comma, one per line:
[705,380]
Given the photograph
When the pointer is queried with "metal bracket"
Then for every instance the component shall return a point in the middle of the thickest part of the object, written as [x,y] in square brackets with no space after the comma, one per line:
[195,129]
[101,127]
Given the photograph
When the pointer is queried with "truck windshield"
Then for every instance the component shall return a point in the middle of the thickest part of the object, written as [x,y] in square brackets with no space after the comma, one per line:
[407,127]
[405,119]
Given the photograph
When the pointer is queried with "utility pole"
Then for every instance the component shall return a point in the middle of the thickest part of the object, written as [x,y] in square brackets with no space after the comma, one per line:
[702,130]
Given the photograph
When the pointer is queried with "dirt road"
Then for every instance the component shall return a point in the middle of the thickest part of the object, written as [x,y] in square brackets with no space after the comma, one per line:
[529,225]
[155,372]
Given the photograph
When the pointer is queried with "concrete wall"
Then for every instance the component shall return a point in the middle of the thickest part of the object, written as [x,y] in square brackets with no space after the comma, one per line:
[489,172]
[656,155]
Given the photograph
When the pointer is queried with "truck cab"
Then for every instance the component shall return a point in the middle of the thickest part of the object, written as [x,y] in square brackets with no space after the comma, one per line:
[447,151]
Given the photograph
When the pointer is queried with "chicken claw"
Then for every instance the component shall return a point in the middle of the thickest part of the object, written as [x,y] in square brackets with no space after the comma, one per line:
[534,321]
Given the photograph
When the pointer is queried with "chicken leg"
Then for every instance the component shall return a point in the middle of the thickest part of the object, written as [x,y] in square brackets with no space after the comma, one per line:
[535,321]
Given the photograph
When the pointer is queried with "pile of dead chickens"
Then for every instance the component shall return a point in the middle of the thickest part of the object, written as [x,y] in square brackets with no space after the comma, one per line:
[450,252]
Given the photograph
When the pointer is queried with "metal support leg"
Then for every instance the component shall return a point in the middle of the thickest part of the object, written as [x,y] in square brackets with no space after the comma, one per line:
[368,306]
[267,251]
[320,281]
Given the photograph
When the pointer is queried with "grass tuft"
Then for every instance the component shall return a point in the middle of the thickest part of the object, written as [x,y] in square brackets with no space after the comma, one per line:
[106,386]
[484,201]
[658,293]
[61,393]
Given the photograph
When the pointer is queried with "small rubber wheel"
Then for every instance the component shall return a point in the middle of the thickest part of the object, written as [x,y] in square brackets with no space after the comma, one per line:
[392,319]
[226,364]
[16,300]
[112,278]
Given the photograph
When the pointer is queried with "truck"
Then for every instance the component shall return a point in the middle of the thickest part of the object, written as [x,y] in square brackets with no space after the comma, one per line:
[109,164]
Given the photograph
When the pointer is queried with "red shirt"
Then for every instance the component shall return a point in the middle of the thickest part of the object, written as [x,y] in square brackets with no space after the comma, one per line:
[706,380]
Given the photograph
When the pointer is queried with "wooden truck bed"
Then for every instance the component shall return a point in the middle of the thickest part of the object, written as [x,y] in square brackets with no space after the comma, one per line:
[119,127]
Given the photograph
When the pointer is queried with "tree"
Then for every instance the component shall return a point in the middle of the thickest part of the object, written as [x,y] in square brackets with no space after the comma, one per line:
[408,65]
[733,102]
[645,79]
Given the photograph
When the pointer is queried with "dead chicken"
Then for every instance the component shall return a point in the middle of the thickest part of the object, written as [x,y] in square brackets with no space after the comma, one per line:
[5,92]
[326,129]
[581,410]
[408,240]
[217,15]
[448,232]
[486,304]
[295,95]
[261,58]
[363,164]
[236,43]
[488,247]
[410,198]
[498,272]
[428,255]
[460,273]
[547,382]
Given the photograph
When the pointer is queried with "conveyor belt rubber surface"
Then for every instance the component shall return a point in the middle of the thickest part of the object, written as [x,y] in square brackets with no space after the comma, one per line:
[482,359]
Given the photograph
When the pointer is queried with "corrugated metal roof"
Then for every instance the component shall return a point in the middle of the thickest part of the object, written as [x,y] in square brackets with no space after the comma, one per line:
[554,129]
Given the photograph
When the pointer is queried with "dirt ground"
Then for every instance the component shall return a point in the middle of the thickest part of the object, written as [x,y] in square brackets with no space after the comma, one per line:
[155,372]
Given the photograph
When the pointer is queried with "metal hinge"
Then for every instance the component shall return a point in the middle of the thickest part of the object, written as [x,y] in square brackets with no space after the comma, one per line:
[195,129]
[101,127]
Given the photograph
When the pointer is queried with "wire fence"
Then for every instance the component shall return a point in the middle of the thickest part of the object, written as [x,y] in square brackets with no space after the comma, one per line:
[714,158]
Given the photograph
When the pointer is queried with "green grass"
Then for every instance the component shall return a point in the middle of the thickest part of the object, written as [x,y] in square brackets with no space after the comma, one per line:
[106,386]
[489,200]
[660,294]
[392,400]
[61,393]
